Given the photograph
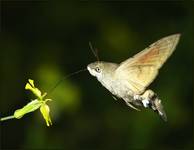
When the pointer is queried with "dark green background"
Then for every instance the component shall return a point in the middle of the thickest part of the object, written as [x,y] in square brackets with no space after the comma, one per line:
[46,40]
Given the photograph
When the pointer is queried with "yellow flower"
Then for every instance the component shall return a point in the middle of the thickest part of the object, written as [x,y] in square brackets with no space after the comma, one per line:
[39,102]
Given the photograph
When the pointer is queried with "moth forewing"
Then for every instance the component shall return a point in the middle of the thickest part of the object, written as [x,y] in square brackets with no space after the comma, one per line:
[141,69]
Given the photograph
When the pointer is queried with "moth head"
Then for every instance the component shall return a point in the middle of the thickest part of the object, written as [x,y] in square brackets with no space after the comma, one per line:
[95,69]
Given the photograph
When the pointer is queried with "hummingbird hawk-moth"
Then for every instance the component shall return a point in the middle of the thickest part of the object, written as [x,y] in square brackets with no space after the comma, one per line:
[129,79]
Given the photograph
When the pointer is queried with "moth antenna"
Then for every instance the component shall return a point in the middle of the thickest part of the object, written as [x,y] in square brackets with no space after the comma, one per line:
[97,56]
[64,78]
[94,51]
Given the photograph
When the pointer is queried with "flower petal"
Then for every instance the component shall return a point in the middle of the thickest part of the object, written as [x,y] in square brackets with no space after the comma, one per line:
[44,109]
[30,86]
[31,82]
[31,106]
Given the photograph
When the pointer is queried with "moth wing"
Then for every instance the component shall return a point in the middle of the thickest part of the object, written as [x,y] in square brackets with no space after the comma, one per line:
[140,70]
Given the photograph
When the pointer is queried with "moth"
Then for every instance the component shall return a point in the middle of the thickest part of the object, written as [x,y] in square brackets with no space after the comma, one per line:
[130,79]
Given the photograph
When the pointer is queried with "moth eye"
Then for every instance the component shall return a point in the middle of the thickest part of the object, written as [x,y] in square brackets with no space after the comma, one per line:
[97,69]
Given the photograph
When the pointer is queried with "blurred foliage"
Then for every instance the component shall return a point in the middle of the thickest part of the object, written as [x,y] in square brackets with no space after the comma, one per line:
[46,40]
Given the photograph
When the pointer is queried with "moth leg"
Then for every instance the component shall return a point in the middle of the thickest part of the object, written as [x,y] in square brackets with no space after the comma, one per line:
[114,98]
[146,103]
[137,97]
[130,105]
[147,98]
[137,100]
[148,94]
[128,101]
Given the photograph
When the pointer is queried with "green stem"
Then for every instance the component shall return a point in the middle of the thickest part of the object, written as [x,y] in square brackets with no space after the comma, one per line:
[7,118]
